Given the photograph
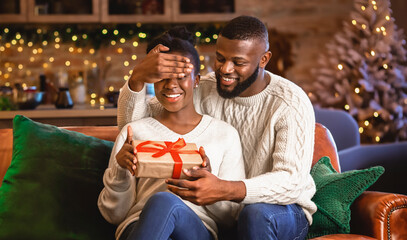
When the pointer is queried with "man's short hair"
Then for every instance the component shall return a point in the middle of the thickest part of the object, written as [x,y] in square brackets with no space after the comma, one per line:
[245,28]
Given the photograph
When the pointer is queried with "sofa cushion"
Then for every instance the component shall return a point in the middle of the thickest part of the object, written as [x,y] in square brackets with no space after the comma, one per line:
[51,188]
[335,194]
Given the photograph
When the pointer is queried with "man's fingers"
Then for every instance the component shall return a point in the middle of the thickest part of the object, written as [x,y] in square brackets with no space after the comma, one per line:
[168,56]
[180,183]
[159,48]
[195,173]
[183,193]
[129,135]
[176,58]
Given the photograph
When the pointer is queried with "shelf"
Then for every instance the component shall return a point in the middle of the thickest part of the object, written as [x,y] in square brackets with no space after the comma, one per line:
[79,115]
[49,111]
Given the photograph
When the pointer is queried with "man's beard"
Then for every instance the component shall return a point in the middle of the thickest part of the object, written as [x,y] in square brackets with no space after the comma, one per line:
[239,88]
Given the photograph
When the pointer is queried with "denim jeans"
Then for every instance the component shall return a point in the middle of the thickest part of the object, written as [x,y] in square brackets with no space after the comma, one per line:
[269,221]
[165,216]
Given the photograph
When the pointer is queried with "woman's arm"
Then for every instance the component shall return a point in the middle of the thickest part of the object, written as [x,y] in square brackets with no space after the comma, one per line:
[117,197]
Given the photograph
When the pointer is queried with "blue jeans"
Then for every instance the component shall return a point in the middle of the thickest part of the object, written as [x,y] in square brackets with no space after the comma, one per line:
[165,216]
[269,221]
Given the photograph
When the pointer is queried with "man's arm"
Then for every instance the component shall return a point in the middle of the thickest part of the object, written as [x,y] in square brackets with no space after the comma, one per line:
[207,189]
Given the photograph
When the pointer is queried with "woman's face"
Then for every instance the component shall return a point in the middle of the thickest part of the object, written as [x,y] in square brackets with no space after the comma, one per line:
[176,94]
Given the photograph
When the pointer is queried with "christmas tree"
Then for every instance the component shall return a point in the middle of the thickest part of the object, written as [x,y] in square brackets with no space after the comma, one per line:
[363,71]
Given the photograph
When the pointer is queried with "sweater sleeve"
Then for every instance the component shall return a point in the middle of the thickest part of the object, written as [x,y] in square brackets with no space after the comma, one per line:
[290,160]
[131,105]
[119,193]
[231,169]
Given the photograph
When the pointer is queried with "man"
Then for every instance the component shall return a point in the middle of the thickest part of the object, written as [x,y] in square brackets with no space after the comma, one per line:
[273,116]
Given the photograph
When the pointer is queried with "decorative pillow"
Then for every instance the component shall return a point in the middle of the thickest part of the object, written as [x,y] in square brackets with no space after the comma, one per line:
[51,188]
[335,194]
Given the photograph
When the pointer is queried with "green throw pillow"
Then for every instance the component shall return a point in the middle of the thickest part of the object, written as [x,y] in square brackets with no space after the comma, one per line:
[335,194]
[51,188]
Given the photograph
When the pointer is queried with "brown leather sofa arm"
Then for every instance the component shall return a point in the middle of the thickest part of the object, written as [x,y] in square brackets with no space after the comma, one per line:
[380,215]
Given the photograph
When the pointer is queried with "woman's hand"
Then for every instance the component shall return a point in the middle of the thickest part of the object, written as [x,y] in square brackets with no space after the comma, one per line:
[206,164]
[126,157]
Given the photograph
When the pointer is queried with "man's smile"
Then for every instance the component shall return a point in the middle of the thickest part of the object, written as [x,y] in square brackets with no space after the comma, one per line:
[228,80]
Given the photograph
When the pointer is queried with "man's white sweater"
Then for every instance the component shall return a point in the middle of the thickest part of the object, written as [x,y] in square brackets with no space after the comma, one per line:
[276,127]
[124,196]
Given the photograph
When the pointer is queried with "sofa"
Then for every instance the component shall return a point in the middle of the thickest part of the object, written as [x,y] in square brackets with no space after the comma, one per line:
[354,155]
[374,215]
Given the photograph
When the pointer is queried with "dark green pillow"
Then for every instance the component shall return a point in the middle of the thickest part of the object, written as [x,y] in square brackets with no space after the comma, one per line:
[335,194]
[51,188]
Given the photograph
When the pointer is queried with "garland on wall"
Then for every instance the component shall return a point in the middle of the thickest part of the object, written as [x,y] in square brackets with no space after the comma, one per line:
[96,36]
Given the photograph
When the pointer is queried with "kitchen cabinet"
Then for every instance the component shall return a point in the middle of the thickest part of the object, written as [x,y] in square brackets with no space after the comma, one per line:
[136,11]
[13,11]
[116,11]
[63,11]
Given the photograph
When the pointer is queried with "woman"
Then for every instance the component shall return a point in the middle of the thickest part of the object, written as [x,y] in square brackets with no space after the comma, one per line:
[142,207]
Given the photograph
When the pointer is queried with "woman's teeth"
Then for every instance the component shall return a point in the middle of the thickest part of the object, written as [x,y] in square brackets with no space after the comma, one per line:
[172,95]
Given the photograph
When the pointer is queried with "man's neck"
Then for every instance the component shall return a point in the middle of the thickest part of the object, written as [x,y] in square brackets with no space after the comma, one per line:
[262,81]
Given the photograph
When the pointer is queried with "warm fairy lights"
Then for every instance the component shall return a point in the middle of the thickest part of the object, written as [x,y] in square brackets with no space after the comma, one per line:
[48,50]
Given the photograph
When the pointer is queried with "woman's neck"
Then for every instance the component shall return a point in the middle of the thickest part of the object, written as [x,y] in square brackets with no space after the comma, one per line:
[181,122]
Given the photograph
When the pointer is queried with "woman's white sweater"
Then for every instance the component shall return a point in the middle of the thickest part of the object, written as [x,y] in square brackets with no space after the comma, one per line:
[124,196]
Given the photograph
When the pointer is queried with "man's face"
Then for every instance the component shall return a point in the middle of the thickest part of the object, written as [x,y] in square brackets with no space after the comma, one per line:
[236,66]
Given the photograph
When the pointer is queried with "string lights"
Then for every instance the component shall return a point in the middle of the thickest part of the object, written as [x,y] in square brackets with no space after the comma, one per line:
[46,47]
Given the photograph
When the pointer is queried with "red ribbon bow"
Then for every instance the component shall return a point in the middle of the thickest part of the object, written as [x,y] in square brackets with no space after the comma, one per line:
[174,148]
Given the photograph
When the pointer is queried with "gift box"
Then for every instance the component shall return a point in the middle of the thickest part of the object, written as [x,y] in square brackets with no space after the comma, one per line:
[161,159]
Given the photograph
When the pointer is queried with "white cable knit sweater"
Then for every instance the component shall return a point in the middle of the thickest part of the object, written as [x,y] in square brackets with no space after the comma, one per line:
[276,127]
[124,196]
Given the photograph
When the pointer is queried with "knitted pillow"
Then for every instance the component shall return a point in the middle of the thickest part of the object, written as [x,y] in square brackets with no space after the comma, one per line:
[335,194]
[51,188]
